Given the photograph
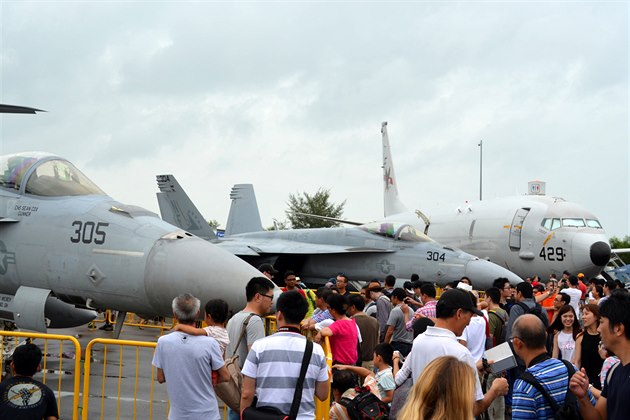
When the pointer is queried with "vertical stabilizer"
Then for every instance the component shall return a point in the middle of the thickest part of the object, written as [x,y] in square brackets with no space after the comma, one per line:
[392,202]
[244,216]
[177,209]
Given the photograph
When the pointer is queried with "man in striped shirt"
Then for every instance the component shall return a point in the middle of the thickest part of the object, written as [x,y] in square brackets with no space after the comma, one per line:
[427,296]
[528,339]
[273,364]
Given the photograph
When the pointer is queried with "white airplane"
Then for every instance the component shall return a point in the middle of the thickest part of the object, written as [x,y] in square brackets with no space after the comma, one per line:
[530,234]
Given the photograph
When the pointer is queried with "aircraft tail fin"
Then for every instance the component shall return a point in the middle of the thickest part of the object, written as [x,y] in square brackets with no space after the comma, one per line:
[177,209]
[393,205]
[244,216]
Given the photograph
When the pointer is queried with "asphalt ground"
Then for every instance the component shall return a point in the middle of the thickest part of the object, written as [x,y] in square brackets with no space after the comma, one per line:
[122,382]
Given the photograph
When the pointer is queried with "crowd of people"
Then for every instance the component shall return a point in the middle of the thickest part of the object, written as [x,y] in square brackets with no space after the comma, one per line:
[403,352]
[420,356]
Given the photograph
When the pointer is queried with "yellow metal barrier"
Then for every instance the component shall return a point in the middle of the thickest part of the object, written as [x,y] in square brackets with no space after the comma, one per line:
[322,408]
[118,377]
[270,325]
[50,369]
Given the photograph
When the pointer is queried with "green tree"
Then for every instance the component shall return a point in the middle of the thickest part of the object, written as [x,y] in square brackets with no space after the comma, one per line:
[616,243]
[317,204]
[214,224]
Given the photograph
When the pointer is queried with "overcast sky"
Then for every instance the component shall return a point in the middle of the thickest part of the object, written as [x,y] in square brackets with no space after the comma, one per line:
[290,96]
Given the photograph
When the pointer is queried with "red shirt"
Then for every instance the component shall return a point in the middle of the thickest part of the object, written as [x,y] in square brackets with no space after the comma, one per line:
[582,288]
[284,289]
[344,341]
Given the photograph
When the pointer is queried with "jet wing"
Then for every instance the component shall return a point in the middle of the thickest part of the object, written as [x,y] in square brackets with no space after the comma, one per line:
[7,220]
[280,246]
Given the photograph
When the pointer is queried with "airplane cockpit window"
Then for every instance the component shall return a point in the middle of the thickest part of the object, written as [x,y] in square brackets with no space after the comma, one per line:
[551,223]
[400,231]
[593,223]
[57,178]
[573,222]
[13,168]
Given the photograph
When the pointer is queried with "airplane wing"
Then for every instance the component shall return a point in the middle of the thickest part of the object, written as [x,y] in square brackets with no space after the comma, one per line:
[15,109]
[244,247]
[621,250]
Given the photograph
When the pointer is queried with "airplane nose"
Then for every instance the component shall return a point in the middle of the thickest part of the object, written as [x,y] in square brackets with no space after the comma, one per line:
[479,270]
[180,264]
[600,253]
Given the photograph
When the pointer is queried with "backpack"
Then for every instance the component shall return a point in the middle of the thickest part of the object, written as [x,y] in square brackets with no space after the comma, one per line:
[230,392]
[569,410]
[500,336]
[536,310]
[365,405]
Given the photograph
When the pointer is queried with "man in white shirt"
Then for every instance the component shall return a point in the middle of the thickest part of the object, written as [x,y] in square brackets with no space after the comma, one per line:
[454,311]
[575,293]
[186,362]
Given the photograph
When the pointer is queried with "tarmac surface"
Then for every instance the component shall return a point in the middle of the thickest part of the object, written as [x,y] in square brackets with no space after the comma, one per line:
[122,380]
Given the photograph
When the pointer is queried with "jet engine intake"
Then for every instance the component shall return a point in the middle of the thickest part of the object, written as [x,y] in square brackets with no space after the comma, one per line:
[36,309]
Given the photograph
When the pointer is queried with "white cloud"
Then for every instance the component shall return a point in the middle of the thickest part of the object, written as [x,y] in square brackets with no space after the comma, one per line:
[290,96]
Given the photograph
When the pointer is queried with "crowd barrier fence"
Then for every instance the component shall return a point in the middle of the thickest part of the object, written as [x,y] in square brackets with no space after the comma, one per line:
[53,372]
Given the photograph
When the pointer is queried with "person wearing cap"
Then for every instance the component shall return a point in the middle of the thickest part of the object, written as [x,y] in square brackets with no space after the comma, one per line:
[454,311]
[268,270]
[582,287]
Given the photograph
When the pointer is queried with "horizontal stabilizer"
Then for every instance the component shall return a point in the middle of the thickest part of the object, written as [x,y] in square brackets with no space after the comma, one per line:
[177,209]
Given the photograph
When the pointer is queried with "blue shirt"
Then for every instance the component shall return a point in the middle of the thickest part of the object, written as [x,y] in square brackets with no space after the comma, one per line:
[528,402]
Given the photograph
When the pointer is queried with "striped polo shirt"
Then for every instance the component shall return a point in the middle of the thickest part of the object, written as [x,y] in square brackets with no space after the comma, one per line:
[528,402]
[275,363]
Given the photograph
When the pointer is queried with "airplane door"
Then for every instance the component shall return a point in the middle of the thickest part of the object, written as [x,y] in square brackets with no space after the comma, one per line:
[515,229]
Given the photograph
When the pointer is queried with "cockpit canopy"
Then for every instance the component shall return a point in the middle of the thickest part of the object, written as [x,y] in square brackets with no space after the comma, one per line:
[399,231]
[575,222]
[45,175]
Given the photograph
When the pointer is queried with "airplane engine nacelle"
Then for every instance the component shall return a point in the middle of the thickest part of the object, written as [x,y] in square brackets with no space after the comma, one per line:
[35,309]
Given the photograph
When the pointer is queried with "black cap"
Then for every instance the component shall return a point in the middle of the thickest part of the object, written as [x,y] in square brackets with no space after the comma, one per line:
[458,299]
[268,268]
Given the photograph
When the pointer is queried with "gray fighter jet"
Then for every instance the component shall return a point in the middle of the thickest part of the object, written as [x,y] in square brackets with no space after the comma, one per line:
[67,248]
[366,252]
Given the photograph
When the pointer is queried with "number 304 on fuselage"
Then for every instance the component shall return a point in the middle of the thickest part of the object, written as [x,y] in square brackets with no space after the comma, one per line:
[66,248]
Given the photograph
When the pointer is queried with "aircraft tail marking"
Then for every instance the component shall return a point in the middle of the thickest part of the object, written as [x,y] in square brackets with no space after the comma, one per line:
[244,216]
[177,209]
[393,205]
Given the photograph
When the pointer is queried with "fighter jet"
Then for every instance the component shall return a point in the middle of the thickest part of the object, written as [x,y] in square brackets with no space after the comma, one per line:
[528,234]
[67,248]
[365,252]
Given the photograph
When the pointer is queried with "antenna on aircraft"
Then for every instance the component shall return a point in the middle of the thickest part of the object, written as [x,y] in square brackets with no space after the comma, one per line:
[480,167]
[15,109]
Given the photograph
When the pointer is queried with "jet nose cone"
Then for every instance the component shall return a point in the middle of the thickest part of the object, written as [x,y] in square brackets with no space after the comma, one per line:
[482,273]
[183,264]
[600,253]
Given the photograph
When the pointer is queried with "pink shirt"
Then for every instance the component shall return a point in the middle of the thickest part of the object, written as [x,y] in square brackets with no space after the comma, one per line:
[427,310]
[344,341]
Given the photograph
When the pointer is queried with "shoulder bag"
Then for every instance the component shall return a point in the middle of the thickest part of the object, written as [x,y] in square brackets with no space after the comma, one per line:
[272,413]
